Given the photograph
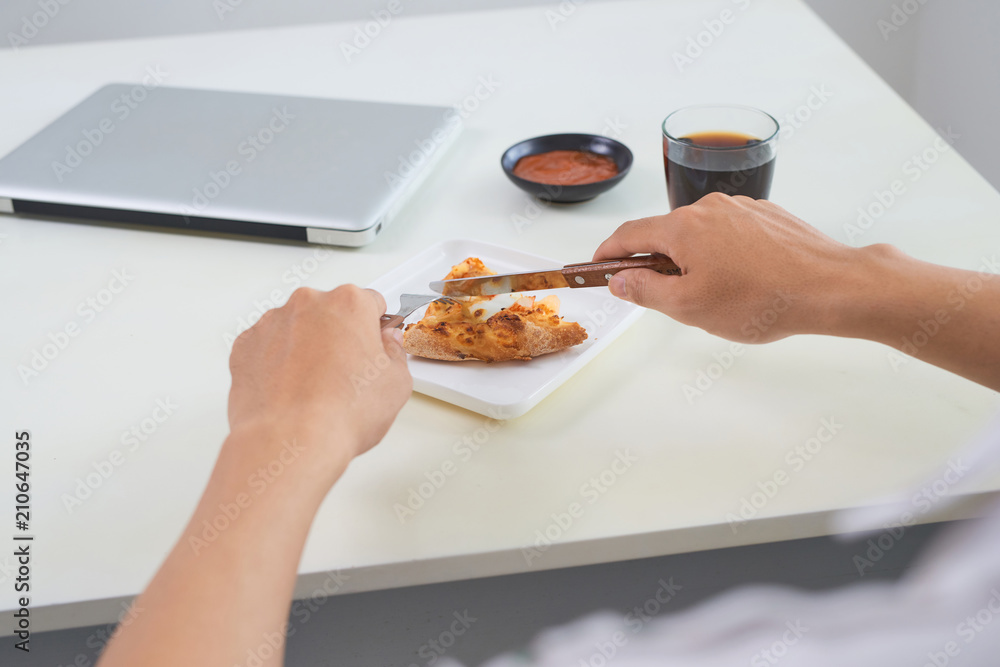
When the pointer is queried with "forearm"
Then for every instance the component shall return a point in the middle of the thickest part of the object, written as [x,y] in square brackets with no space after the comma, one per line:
[944,316]
[225,589]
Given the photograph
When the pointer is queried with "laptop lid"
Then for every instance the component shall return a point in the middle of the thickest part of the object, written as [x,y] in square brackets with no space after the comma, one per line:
[320,170]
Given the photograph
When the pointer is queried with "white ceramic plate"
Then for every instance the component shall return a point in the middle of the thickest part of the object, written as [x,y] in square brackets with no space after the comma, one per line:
[507,389]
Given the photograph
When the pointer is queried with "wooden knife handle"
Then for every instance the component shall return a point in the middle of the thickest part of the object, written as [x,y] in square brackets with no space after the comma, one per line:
[597,274]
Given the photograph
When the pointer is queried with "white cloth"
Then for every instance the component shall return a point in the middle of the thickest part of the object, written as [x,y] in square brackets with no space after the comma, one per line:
[946,611]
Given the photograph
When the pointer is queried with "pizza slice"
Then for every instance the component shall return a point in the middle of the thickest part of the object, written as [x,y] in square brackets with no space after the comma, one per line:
[461,331]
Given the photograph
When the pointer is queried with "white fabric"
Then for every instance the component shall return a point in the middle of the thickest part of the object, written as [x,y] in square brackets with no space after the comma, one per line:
[946,611]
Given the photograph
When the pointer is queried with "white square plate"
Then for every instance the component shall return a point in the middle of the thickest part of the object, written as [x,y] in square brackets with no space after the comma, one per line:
[510,388]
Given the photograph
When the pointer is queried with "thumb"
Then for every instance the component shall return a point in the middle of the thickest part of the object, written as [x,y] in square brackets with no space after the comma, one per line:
[644,287]
[392,340]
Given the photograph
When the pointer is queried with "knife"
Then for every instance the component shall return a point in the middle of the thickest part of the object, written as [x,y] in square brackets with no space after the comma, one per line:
[587,274]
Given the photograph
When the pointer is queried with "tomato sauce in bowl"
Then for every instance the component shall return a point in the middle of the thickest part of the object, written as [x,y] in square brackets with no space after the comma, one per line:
[566,168]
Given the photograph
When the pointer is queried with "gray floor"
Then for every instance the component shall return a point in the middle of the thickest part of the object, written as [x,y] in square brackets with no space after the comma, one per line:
[389,628]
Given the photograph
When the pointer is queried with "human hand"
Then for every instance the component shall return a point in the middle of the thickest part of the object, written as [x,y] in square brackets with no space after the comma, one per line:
[752,272]
[319,370]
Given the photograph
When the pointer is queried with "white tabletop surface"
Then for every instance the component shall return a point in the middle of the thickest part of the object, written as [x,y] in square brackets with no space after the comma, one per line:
[609,67]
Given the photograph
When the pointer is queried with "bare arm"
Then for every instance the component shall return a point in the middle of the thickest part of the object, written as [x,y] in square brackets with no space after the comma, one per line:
[304,402]
[755,273]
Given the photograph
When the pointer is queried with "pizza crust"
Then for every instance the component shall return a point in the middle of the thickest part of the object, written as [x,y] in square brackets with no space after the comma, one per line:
[460,331]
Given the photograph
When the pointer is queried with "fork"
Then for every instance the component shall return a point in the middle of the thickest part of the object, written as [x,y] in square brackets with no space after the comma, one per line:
[409,303]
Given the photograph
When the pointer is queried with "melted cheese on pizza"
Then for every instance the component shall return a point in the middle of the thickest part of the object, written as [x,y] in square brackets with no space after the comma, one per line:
[461,331]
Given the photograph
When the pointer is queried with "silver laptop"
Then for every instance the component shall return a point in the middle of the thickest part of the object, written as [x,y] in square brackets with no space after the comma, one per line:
[318,170]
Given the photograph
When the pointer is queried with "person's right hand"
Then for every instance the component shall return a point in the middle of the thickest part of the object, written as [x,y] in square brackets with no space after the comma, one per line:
[752,272]
[320,370]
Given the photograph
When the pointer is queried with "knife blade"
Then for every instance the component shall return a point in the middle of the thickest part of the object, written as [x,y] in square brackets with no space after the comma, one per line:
[587,274]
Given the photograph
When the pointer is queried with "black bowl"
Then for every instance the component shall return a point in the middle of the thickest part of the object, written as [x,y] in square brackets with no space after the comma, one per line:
[567,194]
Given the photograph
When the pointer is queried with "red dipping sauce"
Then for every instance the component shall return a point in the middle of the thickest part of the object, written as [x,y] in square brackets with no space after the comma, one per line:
[566,168]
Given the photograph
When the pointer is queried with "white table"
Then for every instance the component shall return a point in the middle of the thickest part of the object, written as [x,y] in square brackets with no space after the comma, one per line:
[606,68]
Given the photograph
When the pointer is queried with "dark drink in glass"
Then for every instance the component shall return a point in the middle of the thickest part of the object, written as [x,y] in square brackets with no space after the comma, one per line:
[727,149]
